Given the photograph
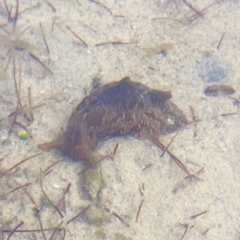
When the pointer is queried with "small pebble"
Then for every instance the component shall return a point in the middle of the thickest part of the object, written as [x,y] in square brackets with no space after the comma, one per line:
[23,135]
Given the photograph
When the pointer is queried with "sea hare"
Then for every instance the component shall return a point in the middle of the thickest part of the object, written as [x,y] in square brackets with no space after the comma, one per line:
[117,109]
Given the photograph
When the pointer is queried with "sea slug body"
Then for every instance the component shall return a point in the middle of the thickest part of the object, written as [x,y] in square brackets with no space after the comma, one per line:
[117,109]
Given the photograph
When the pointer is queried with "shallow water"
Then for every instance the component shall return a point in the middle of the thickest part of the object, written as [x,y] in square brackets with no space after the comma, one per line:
[108,41]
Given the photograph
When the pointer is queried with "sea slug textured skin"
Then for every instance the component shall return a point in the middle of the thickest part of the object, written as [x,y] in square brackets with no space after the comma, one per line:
[117,109]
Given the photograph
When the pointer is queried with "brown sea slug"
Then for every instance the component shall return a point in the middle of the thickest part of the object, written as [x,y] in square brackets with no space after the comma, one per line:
[118,109]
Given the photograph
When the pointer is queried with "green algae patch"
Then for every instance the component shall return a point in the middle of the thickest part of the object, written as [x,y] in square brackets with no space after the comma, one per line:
[93,183]
[119,236]
[100,234]
[96,216]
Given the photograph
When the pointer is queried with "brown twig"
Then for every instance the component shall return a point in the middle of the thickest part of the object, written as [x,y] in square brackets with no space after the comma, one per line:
[174,158]
[64,233]
[79,214]
[185,231]
[79,38]
[28,230]
[55,207]
[120,218]
[15,17]
[192,8]
[141,192]
[14,230]
[229,114]
[55,230]
[21,110]
[46,170]
[28,114]
[167,147]
[8,11]
[14,121]
[105,7]
[19,187]
[50,5]
[114,43]
[237,231]
[45,174]
[26,191]
[198,214]
[24,160]
[236,101]
[44,38]
[139,209]
[220,41]
[205,232]
[41,63]
[63,196]
[152,68]
[148,166]
[194,119]
[23,31]
[17,90]
[196,15]
[192,113]
[30,197]
[37,214]
[200,170]
[115,149]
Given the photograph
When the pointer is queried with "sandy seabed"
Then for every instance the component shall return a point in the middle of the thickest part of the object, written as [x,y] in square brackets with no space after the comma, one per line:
[181,46]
